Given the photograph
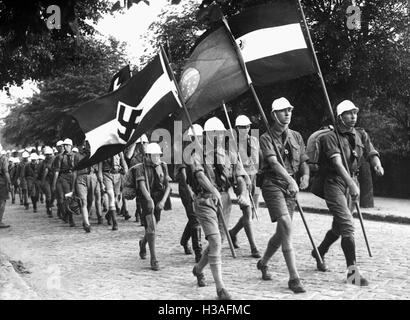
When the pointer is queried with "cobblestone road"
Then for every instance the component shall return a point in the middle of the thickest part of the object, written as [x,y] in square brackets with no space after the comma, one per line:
[67,263]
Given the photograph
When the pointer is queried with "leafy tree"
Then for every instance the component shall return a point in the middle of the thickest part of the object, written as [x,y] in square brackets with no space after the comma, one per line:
[88,76]
[28,49]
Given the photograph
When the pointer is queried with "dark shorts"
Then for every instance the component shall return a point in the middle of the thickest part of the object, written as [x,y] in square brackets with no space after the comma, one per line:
[278,203]
[340,206]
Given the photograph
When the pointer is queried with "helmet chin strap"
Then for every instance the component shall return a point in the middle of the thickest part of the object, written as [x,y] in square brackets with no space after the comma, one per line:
[282,125]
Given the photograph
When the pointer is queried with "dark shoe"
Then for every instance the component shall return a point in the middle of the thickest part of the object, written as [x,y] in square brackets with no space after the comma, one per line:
[223,294]
[200,277]
[255,253]
[361,281]
[321,266]
[296,286]
[198,257]
[265,271]
[100,220]
[87,228]
[72,223]
[126,216]
[108,217]
[35,210]
[143,251]
[115,225]
[155,266]
[234,240]
[187,250]
[4,226]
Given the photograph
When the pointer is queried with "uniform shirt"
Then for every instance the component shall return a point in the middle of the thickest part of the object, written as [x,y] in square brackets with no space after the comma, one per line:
[14,173]
[113,163]
[22,164]
[77,158]
[64,163]
[222,173]
[292,149]
[55,160]
[31,170]
[356,145]
[158,176]
[251,161]
[46,164]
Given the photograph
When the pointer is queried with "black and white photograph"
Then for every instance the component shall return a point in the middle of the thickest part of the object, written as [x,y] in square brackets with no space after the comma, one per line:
[184,152]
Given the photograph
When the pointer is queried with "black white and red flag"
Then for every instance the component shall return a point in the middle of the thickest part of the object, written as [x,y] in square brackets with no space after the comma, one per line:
[114,121]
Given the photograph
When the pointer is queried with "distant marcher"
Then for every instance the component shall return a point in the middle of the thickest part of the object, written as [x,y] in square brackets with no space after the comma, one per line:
[5,184]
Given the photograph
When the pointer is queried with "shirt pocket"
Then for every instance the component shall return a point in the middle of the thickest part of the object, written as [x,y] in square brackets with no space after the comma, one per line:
[295,149]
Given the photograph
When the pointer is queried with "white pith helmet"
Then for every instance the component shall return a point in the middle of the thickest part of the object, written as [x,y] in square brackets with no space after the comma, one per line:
[280,104]
[344,106]
[153,148]
[214,124]
[242,120]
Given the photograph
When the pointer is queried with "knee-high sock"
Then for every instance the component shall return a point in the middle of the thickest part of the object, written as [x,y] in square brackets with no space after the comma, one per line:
[204,260]
[349,249]
[249,234]
[196,240]
[329,239]
[216,268]
[239,225]
[151,244]
[186,235]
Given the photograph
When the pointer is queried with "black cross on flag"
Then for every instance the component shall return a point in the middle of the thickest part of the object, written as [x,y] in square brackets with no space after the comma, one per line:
[116,120]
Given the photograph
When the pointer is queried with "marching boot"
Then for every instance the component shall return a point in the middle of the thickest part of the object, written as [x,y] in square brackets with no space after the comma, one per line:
[108,217]
[71,220]
[48,207]
[323,248]
[34,202]
[114,220]
[137,216]
[185,238]
[196,243]
[153,256]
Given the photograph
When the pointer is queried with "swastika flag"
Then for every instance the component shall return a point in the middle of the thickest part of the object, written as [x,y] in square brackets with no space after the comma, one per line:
[114,121]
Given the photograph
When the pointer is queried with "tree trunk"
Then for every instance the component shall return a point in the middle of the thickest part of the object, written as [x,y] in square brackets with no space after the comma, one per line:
[366,186]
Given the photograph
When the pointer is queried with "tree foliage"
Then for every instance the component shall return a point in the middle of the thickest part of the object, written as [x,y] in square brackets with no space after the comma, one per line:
[28,49]
[87,76]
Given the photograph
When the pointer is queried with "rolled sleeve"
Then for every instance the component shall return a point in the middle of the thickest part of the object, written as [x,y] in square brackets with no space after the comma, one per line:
[139,172]
[266,146]
[330,146]
[370,150]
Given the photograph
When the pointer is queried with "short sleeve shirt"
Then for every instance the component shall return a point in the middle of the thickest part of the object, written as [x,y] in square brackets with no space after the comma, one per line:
[222,172]
[356,145]
[158,176]
[291,147]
